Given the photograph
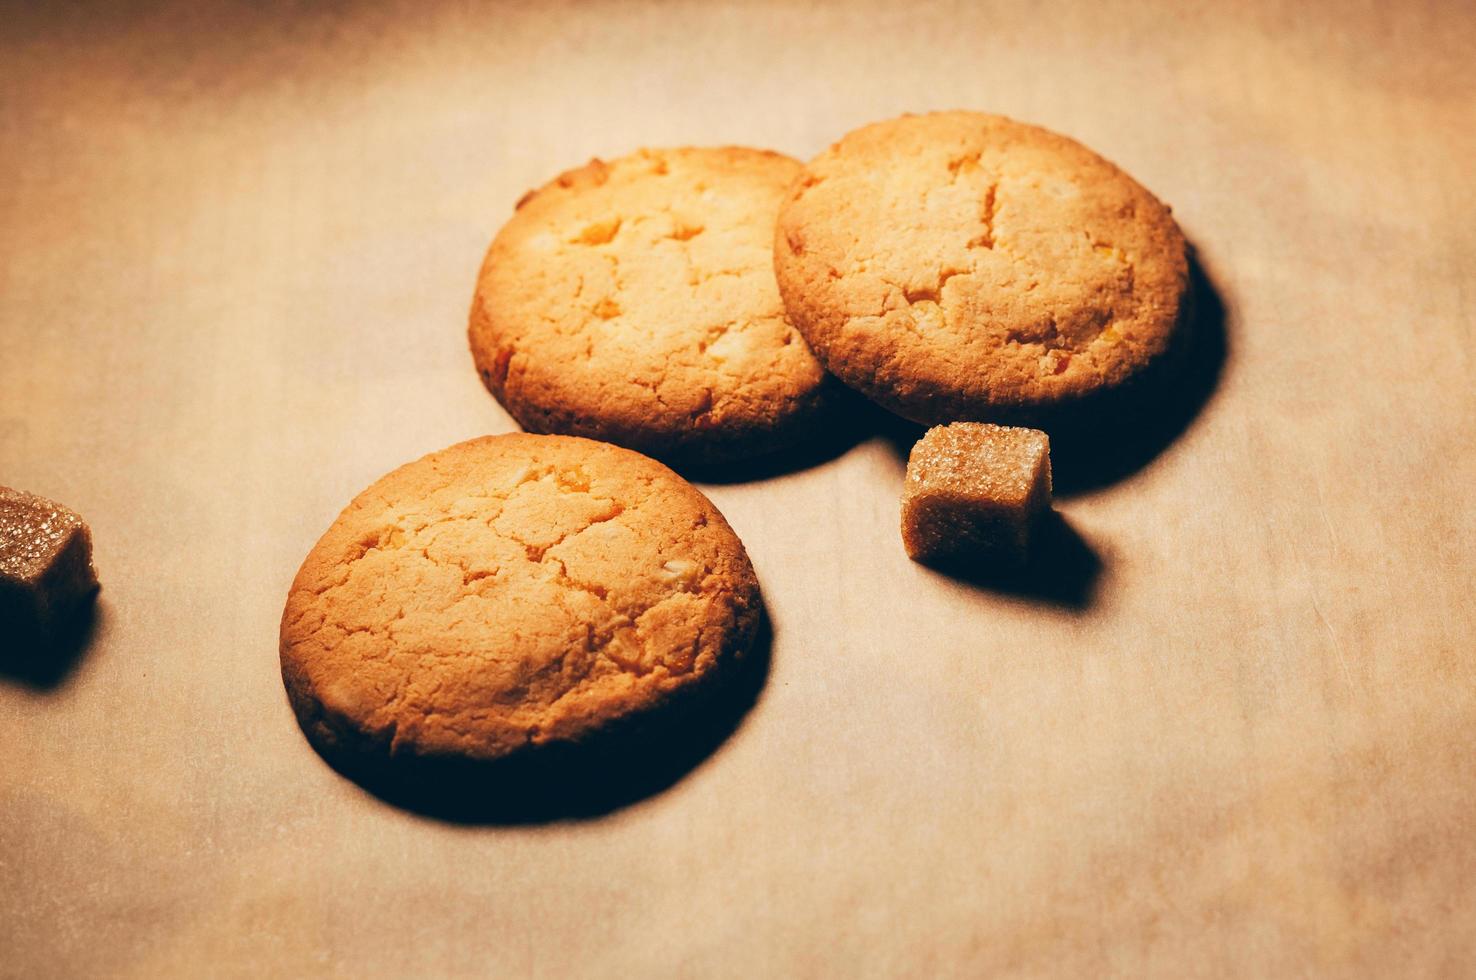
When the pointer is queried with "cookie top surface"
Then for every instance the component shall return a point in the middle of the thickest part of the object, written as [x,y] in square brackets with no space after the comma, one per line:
[635,301]
[965,266]
[511,592]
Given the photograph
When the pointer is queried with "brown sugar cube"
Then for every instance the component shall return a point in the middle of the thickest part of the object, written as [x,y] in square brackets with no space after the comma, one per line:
[975,489]
[46,573]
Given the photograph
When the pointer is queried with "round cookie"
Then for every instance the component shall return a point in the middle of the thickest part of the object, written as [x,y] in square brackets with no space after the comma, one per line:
[634,301]
[965,266]
[510,594]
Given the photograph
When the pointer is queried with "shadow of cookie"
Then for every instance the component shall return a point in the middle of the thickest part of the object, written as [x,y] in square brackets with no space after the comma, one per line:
[1098,442]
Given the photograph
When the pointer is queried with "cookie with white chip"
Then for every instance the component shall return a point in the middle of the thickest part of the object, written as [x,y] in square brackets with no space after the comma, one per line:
[962,266]
[510,594]
[634,301]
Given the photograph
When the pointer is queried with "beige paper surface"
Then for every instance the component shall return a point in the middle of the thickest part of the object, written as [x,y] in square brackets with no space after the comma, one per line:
[236,253]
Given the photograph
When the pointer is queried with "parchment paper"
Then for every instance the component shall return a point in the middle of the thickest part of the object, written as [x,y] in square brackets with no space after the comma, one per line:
[1228,732]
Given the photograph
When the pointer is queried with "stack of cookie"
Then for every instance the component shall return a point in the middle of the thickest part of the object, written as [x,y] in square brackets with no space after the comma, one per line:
[516,594]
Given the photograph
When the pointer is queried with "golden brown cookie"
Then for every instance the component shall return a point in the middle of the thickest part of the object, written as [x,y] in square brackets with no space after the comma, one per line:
[965,266]
[507,594]
[635,301]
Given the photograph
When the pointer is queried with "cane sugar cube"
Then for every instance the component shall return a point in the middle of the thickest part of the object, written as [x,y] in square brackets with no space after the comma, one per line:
[975,489]
[46,573]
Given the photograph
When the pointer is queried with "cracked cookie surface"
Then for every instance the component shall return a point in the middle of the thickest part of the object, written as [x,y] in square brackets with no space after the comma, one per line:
[512,592]
[958,265]
[635,301]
